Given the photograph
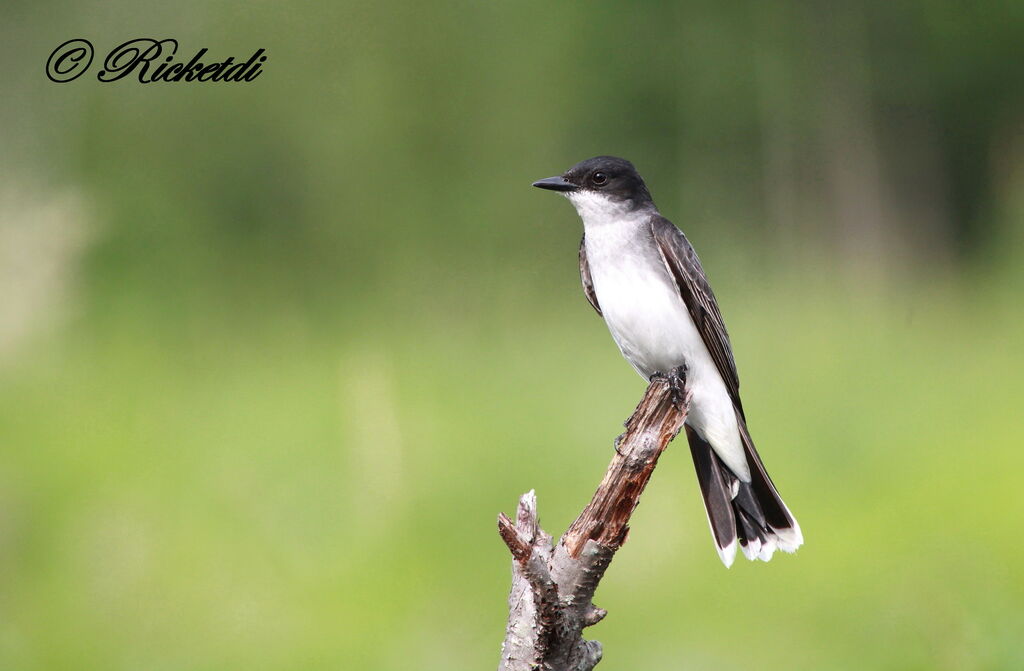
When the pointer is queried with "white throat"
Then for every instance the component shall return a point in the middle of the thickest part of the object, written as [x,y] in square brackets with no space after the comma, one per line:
[598,210]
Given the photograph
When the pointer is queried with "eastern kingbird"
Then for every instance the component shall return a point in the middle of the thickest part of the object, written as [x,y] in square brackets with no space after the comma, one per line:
[641,274]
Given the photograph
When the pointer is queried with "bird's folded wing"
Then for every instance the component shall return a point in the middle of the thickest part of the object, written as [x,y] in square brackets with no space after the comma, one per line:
[685,267]
[588,283]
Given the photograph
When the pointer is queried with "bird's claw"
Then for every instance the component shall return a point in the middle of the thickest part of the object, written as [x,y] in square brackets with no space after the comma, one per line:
[676,379]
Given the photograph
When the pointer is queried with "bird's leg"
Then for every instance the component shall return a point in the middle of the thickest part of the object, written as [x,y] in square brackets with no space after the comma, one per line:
[677,383]
[676,379]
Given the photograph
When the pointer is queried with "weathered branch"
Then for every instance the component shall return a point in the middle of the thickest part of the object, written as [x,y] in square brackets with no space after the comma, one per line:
[553,587]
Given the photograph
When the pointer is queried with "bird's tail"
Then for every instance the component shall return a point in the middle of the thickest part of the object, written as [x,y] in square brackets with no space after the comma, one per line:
[749,512]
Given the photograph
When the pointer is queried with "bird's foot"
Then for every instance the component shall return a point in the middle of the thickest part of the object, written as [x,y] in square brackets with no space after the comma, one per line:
[676,379]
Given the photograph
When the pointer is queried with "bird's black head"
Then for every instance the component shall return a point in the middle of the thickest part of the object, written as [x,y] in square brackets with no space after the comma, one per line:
[615,178]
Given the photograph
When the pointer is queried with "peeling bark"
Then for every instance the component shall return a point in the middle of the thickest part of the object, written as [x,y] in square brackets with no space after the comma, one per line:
[551,600]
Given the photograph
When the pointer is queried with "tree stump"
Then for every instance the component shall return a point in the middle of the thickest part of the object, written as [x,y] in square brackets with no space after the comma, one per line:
[551,600]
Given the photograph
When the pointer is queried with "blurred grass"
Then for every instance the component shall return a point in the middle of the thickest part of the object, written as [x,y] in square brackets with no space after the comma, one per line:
[273,356]
[215,497]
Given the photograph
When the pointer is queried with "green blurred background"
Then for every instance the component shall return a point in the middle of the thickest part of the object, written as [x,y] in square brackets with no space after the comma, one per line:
[274,355]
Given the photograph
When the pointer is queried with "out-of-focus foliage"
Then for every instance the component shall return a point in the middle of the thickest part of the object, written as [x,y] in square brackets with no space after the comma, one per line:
[273,355]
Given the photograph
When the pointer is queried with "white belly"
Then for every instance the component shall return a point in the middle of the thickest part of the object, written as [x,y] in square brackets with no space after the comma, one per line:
[652,327]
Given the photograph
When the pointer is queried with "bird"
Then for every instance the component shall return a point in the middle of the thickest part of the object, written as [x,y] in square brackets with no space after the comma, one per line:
[642,275]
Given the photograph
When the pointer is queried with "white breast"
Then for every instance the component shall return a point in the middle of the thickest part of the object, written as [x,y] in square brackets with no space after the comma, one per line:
[639,299]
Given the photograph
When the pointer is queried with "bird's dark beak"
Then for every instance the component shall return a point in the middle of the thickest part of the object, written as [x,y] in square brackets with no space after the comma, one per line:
[555,184]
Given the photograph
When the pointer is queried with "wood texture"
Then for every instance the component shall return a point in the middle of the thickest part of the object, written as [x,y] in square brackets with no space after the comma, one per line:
[551,600]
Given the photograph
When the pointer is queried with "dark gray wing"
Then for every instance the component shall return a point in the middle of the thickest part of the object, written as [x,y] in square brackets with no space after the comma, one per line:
[696,292]
[588,283]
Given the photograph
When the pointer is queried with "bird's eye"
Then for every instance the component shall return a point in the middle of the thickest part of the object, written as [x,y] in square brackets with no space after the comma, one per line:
[599,178]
